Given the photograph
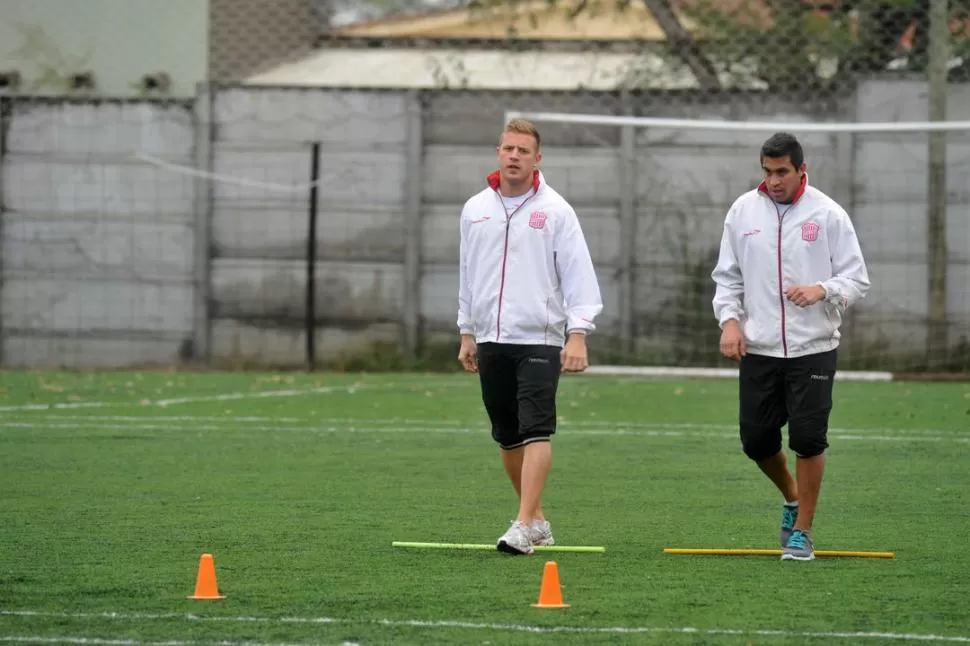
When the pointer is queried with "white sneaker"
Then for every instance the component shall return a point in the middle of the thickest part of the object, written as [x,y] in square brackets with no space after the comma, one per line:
[517,540]
[542,533]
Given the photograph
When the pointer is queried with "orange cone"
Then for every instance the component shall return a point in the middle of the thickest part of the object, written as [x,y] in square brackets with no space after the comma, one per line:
[205,584]
[550,595]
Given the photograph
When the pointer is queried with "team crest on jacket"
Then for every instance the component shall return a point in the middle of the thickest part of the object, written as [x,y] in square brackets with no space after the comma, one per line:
[810,231]
[537,220]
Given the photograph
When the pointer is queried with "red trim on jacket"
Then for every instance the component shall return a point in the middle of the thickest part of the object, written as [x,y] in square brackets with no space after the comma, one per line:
[763,187]
[495,179]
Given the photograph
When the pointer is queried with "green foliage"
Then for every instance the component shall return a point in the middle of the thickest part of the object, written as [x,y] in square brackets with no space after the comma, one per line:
[788,47]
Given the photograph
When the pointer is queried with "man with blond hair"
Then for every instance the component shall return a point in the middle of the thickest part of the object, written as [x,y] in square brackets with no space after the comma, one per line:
[527,298]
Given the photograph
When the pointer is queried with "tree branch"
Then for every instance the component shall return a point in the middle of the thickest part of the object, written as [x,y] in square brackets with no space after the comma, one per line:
[683,44]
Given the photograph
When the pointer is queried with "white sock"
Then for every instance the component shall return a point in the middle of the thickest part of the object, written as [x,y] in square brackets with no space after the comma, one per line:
[791,504]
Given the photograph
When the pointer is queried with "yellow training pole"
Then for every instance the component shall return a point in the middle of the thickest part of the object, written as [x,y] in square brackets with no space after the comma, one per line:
[756,552]
[491,546]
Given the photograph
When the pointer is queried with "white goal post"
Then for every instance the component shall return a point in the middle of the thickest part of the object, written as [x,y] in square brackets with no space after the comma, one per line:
[670,124]
[735,126]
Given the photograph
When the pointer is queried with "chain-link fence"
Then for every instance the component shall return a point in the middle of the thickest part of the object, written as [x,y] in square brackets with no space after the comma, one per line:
[160,231]
[803,48]
[248,36]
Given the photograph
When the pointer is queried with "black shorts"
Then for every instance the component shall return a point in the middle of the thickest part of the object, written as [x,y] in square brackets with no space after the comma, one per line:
[775,391]
[519,384]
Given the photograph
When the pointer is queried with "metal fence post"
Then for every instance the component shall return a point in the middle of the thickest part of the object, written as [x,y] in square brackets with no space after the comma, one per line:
[204,138]
[310,314]
[627,159]
[937,334]
[5,110]
[412,223]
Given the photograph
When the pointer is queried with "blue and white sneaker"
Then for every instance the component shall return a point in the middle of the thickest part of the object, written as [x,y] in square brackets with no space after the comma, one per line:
[789,514]
[799,547]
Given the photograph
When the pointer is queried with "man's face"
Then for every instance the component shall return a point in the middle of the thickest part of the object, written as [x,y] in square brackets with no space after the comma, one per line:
[782,179]
[517,156]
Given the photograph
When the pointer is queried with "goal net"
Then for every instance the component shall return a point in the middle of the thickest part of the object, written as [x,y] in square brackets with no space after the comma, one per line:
[653,193]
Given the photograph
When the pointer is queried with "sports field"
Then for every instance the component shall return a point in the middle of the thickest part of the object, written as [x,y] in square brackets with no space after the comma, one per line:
[112,485]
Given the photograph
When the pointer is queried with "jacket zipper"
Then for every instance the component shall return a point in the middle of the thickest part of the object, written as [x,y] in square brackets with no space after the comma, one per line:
[781,288]
[505,256]
[781,284]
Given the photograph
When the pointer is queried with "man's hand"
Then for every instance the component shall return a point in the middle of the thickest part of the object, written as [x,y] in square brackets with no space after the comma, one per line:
[805,295]
[733,345]
[573,356]
[468,354]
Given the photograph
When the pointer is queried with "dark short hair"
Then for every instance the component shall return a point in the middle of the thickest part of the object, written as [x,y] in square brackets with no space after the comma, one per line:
[783,144]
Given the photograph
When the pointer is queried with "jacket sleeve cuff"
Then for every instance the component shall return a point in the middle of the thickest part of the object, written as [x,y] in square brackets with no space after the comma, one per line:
[728,316]
[576,324]
[832,294]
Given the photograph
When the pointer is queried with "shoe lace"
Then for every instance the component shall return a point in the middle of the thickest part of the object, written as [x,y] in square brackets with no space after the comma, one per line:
[788,515]
[798,540]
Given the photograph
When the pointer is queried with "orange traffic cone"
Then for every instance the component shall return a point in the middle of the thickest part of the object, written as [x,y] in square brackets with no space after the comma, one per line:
[550,595]
[205,584]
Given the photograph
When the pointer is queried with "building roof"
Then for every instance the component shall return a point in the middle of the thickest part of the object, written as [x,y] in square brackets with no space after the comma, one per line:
[539,46]
[527,20]
[484,69]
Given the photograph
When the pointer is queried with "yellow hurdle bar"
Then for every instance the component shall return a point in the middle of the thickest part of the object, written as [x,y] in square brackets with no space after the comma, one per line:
[491,546]
[754,552]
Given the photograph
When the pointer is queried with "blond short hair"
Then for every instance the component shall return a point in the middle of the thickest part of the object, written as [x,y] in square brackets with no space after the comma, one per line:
[523,127]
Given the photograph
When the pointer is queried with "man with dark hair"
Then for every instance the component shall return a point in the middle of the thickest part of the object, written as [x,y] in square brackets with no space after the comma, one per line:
[527,298]
[789,266]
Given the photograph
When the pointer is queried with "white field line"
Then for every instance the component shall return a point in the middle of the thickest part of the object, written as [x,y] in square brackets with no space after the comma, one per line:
[521,628]
[179,400]
[864,435]
[225,419]
[99,641]
[718,373]
[431,424]
[232,396]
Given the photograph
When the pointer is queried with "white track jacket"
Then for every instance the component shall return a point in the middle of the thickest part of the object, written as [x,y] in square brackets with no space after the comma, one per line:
[525,278]
[767,248]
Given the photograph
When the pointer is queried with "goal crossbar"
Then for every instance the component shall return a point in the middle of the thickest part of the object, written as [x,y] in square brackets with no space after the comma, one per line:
[718,124]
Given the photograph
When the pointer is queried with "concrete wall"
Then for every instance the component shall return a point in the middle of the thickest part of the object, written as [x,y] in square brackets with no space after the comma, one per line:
[99,261]
[97,247]
[890,209]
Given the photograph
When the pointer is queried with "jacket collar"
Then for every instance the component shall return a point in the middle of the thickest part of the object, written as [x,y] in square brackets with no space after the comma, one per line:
[763,188]
[494,180]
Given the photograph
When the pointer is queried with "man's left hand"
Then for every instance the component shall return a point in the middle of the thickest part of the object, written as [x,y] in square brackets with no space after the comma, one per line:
[805,295]
[573,355]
